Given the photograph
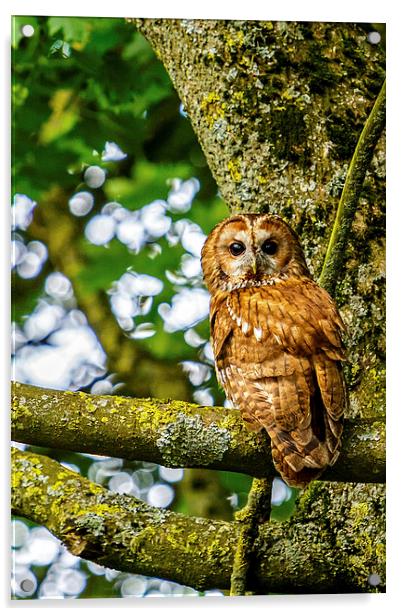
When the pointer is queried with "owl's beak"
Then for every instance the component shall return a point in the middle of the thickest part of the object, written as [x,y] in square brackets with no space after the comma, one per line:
[254,266]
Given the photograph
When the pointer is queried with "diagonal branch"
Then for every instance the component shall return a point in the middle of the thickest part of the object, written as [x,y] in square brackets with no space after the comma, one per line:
[359,165]
[313,552]
[115,530]
[174,433]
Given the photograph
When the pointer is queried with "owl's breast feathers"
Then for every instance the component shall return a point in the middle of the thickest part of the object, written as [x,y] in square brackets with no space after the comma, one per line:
[278,353]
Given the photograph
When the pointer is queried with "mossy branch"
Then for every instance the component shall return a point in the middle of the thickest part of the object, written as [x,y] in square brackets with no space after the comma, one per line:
[119,531]
[174,433]
[332,544]
[363,154]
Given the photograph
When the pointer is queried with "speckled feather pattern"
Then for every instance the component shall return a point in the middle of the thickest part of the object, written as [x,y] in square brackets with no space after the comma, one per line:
[278,349]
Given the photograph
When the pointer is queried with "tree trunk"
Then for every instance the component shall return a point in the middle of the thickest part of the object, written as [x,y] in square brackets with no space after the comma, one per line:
[278,109]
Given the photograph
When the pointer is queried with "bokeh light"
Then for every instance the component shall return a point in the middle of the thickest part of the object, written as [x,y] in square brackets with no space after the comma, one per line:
[22,211]
[160,495]
[58,286]
[171,474]
[94,176]
[181,195]
[81,203]
[189,307]
[28,30]
[100,229]
[204,397]
[280,492]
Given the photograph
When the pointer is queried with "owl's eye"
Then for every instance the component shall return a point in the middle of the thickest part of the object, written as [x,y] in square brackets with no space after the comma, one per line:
[237,248]
[269,247]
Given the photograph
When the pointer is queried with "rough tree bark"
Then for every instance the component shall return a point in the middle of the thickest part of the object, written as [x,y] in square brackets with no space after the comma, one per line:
[278,109]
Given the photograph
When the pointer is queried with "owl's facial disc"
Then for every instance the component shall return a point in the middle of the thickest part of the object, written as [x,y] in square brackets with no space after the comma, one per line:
[237,257]
[249,249]
[253,254]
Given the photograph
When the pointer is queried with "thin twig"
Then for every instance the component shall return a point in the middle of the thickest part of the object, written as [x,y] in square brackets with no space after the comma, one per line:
[256,511]
[363,154]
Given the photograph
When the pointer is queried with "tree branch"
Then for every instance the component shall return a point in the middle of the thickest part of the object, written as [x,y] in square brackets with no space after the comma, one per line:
[330,545]
[336,251]
[174,433]
[119,531]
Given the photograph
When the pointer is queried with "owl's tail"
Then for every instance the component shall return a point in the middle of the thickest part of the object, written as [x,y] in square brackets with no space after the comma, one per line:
[292,468]
[303,454]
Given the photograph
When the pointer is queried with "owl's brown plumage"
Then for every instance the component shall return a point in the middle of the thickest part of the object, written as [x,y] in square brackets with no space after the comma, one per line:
[277,342]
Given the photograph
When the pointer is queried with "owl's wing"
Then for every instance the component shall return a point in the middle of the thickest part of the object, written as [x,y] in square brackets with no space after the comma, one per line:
[287,359]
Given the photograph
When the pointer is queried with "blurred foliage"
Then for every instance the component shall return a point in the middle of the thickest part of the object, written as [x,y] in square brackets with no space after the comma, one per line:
[77,83]
[110,87]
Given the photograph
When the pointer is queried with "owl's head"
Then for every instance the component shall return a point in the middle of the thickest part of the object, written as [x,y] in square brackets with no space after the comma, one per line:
[251,248]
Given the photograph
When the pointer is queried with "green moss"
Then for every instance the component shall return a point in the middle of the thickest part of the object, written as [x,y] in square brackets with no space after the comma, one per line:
[240,438]
[371,390]
[139,545]
[320,71]
[379,430]
[156,416]
[343,133]
[358,513]
[309,497]
[375,433]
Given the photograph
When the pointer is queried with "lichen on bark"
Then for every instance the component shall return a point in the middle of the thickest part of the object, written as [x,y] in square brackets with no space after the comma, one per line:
[188,435]
[350,518]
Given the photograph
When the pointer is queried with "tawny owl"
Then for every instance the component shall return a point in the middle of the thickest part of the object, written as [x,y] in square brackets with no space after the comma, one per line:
[277,342]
